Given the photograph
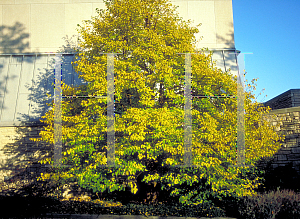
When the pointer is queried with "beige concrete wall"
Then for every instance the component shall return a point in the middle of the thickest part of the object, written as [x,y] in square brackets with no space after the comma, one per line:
[40,25]
[216,17]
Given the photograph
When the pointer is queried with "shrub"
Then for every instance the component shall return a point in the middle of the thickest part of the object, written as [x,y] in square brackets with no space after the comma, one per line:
[266,205]
[163,210]
[289,209]
[228,204]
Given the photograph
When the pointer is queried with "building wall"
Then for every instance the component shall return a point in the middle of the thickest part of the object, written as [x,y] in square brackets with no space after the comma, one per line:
[32,28]
[26,80]
[40,25]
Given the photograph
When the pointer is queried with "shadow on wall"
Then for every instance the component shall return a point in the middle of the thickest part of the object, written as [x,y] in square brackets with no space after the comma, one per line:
[13,39]
[21,157]
[228,41]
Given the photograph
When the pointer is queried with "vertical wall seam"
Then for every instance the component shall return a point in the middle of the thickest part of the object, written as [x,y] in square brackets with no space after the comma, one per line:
[18,92]
[30,31]
[223,54]
[30,101]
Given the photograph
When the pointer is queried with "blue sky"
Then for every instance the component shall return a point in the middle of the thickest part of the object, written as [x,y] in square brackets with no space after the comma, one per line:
[270,29]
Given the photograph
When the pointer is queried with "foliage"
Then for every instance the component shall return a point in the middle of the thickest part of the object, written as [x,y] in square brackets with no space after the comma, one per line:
[149,88]
[267,205]
[228,204]
[289,209]
[33,207]
[170,210]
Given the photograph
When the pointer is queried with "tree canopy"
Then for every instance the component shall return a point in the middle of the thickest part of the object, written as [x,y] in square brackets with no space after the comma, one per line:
[149,98]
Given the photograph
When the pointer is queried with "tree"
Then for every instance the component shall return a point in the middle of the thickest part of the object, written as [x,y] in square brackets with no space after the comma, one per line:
[149,88]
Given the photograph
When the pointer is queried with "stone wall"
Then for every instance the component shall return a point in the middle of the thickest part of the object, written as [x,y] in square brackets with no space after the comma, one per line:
[290,127]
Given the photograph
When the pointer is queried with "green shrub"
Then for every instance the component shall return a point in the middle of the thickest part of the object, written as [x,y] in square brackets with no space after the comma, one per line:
[163,210]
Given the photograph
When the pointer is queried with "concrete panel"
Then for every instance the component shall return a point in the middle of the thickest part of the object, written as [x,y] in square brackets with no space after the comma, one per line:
[16,30]
[224,24]
[49,76]
[16,13]
[10,97]
[41,1]
[53,49]
[22,107]
[1,12]
[99,5]
[34,111]
[7,2]
[42,59]
[75,14]
[230,62]
[85,1]
[56,1]
[28,1]
[47,26]
[203,12]
[199,12]
[218,57]
[27,74]
[42,75]
[182,9]
[4,62]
